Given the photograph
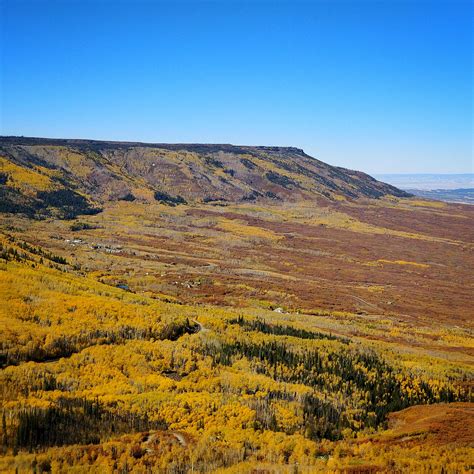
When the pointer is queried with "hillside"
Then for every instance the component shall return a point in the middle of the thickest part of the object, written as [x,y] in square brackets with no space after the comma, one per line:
[44,176]
[100,379]
[211,308]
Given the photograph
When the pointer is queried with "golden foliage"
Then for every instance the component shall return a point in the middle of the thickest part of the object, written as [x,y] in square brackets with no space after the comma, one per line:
[26,179]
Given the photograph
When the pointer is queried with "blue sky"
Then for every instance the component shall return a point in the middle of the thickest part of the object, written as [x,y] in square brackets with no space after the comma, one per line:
[380,86]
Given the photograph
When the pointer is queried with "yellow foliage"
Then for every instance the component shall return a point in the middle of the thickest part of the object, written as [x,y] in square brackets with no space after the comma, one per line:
[422,203]
[68,336]
[27,179]
[241,229]
[403,262]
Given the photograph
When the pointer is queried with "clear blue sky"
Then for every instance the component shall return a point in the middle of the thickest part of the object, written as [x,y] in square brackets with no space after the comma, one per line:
[381,86]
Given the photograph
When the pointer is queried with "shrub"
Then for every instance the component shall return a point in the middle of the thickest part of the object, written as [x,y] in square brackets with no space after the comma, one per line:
[168,199]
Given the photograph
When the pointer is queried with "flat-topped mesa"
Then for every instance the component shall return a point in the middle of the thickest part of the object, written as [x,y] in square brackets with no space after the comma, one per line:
[103,144]
[40,175]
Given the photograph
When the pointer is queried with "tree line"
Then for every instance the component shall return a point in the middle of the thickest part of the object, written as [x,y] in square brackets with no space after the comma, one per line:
[369,388]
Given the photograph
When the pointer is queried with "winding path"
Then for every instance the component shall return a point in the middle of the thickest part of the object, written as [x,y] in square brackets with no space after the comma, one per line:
[201,328]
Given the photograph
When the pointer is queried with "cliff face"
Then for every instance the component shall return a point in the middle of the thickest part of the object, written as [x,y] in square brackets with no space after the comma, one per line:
[79,176]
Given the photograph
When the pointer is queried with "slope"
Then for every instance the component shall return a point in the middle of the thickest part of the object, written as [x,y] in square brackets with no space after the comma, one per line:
[37,175]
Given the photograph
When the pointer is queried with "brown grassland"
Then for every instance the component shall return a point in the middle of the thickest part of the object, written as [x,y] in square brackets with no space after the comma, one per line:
[332,335]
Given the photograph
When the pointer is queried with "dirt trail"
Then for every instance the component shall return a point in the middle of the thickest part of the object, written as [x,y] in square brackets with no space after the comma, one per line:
[154,435]
[360,300]
[201,328]
[181,439]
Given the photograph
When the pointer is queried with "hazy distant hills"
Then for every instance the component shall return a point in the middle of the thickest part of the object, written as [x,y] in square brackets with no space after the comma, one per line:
[40,175]
[429,181]
[464,196]
[443,187]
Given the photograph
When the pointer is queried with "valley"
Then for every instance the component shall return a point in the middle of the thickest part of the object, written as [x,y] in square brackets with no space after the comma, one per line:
[211,308]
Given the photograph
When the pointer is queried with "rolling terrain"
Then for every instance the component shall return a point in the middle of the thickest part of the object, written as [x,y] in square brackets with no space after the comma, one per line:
[457,188]
[461,195]
[79,176]
[219,308]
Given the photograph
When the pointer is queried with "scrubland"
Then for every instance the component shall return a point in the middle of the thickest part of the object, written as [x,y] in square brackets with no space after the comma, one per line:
[207,358]
[209,308]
